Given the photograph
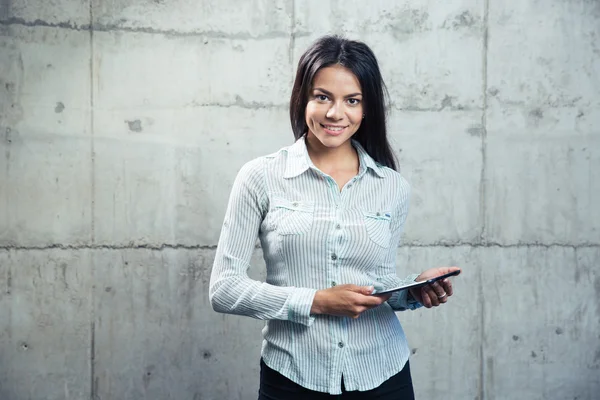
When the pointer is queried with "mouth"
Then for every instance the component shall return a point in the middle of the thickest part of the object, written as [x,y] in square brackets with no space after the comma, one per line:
[333,130]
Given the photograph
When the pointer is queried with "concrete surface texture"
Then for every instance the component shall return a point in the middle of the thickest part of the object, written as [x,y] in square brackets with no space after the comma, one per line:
[123,124]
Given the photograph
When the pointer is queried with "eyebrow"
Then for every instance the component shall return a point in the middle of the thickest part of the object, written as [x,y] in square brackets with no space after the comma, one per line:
[330,94]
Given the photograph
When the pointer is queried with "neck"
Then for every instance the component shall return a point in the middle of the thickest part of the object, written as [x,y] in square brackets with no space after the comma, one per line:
[328,159]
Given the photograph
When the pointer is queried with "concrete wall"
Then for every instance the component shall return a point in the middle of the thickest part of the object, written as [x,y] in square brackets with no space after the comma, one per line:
[123,124]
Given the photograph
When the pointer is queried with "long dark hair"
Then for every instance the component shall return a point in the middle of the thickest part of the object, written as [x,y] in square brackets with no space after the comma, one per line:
[358,58]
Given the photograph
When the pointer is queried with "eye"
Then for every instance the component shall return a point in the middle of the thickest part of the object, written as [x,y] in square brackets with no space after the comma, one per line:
[353,102]
[321,97]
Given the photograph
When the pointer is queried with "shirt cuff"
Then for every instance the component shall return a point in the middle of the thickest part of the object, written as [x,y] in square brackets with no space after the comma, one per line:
[400,300]
[299,305]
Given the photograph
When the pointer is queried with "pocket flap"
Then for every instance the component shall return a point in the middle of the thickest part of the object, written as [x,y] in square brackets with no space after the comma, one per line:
[294,205]
[379,215]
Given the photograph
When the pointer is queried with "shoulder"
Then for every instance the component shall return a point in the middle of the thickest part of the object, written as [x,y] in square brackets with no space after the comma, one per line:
[397,183]
[251,170]
[270,163]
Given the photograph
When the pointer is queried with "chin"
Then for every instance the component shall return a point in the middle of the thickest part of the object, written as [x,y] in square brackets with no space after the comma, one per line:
[332,141]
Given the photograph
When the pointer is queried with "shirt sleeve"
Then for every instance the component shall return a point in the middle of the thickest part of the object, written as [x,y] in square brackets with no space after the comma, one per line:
[231,290]
[387,271]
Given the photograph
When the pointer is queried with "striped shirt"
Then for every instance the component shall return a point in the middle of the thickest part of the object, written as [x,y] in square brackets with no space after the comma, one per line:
[314,236]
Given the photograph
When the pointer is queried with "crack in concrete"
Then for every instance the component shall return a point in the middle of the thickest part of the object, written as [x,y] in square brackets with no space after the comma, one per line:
[40,23]
[241,103]
[93,387]
[574,102]
[488,244]
[292,43]
[111,247]
[444,107]
[92,138]
[214,247]
[482,198]
[484,88]
[165,32]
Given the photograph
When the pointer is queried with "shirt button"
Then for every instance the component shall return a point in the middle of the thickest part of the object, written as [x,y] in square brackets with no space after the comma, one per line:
[338,226]
[378,214]
[295,204]
[341,344]
[333,283]
[333,257]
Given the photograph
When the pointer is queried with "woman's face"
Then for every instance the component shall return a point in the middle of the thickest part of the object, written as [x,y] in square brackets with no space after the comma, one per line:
[334,110]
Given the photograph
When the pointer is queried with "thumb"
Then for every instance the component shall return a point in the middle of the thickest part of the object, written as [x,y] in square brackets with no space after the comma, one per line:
[447,270]
[366,290]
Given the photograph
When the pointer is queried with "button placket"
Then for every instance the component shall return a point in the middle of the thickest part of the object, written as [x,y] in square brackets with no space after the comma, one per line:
[340,333]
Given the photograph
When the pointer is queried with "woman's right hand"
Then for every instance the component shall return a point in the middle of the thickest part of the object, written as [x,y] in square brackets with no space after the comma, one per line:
[346,300]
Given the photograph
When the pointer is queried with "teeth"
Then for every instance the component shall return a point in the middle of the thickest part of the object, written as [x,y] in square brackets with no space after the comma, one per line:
[334,128]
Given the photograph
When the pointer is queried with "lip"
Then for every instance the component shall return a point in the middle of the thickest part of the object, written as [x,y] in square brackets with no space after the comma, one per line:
[334,133]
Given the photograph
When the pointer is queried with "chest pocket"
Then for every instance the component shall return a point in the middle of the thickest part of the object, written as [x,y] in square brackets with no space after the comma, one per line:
[378,227]
[293,217]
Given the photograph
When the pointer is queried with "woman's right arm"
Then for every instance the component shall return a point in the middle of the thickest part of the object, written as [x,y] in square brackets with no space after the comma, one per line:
[231,290]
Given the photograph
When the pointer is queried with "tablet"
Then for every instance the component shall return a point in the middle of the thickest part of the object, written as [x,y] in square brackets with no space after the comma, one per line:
[416,284]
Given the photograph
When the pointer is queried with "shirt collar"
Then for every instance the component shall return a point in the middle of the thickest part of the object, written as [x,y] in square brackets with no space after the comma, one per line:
[366,161]
[298,160]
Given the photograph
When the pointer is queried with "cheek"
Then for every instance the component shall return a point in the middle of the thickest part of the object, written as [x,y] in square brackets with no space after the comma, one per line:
[312,106]
[312,112]
[355,115]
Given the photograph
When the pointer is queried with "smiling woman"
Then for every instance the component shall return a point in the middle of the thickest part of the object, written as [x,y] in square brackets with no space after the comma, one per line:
[332,114]
[357,74]
[329,211]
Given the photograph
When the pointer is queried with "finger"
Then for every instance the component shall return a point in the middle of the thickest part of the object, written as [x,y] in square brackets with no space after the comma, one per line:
[440,292]
[447,284]
[372,301]
[351,287]
[383,297]
[357,312]
[366,290]
[447,270]
[438,289]
[433,296]
[426,300]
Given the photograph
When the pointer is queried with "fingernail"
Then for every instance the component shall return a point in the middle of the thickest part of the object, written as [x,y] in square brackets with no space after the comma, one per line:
[446,280]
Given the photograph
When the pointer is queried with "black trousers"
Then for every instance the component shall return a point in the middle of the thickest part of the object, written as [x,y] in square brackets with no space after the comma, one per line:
[274,386]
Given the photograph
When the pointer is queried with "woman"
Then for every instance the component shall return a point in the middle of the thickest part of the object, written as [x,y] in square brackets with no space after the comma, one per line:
[329,211]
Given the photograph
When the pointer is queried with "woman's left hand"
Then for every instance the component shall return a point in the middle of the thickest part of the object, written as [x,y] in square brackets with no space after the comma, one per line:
[438,292]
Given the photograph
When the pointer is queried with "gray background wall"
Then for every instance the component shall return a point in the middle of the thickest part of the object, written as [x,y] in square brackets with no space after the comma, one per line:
[123,124]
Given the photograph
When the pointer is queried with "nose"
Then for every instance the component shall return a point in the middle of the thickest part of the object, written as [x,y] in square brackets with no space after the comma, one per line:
[335,112]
